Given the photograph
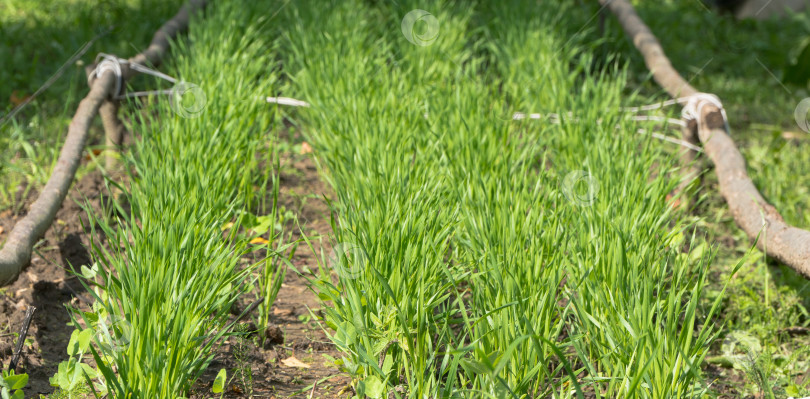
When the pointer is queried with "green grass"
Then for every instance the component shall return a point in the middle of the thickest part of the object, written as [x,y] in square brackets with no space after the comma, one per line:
[467,263]
[169,278]
[481,271]
[745,63]
[36,39]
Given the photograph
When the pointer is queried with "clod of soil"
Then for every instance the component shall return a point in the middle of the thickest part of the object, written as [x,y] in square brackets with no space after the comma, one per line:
[273,336]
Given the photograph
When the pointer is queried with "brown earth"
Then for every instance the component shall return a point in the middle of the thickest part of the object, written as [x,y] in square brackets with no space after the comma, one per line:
[48,285]
[301,192]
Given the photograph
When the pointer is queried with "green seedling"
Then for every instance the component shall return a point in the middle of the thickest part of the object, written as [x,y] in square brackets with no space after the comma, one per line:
[11,384]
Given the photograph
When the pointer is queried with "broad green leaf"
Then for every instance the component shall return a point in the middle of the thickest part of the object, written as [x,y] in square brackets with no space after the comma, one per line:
[92,317]
[263,224]
[84,339]
[73,343]
[219,381]
[473,366]
[76,375]
[91,372]
[63,375]
[388,364]
[89,273]
[17,381]
[374,387]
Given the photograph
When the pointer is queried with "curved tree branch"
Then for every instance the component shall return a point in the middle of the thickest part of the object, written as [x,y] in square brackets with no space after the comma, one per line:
[113,130]
[17,251]
[752,213]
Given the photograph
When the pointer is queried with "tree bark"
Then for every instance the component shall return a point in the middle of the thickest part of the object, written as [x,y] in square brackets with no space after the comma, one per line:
[16,253]
[788,244]
[113,131]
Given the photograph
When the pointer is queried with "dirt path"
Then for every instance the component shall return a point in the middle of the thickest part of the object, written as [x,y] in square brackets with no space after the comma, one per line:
[48,285]
[302,192]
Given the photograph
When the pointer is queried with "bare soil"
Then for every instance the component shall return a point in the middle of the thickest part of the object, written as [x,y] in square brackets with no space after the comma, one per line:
[48,285]
[302,192]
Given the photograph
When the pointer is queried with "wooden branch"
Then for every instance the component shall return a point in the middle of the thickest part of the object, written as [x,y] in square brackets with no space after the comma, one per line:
[113,131]
[752,213]
[16,254]
[29,315]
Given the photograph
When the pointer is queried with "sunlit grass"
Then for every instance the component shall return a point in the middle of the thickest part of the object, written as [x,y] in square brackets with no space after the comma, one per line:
[168,274]
[744,62]
[36,39]
[480,271]
[467,264]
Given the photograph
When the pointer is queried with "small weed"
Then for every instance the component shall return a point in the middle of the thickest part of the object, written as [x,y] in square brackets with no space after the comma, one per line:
[241,347]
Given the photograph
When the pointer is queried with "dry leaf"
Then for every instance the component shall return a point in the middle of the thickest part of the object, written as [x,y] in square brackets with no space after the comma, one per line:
[672,201]
[305,148]
[259,240]
[95,152]
[22,305]
[16,98]
[293,362]
[1,229]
